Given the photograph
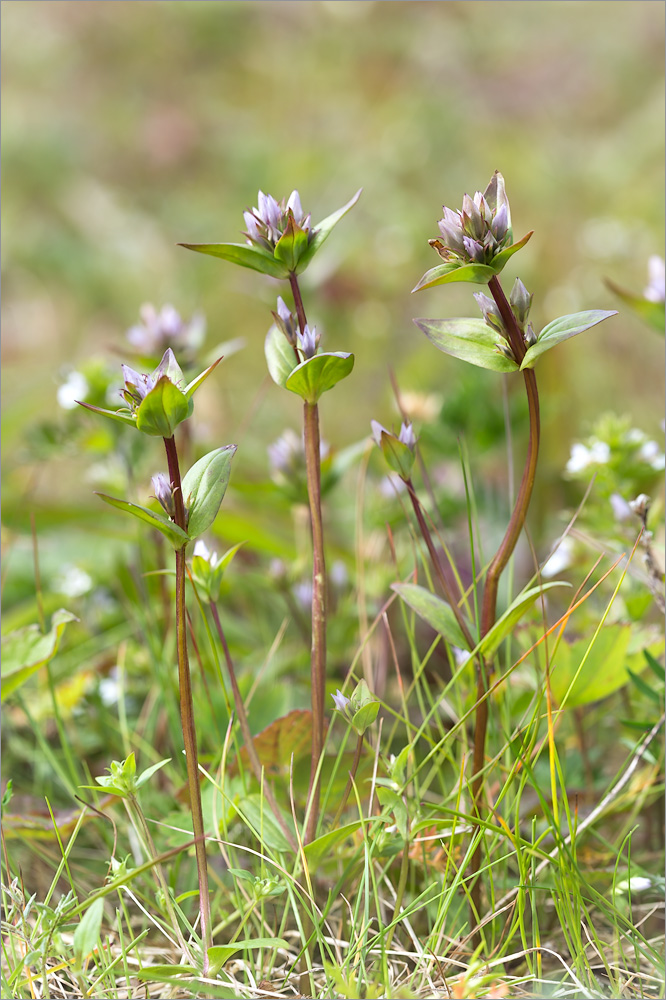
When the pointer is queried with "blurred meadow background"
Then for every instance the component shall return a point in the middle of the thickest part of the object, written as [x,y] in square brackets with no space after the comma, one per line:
[129,127]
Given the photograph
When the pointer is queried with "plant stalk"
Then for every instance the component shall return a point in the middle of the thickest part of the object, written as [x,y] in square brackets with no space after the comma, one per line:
[318,648]
[187,707]
[499,563]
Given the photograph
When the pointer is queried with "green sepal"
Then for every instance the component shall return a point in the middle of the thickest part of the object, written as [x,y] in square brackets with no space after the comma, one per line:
[27,649]
[162,409]
[652,312]
[470,340]
[322,231]
[280,356]
[561,329]
[122,416]
[480,274]
[319,374]
[200,379]
[204,486]
[399,457]
[177,537]
[433,610]
[243,254]
[292,244]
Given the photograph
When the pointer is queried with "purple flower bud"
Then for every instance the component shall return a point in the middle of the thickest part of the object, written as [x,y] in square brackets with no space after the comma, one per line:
[480,230]
[164,492]
[286,321]
[491,313]
[500,223]
[294,203]
[308,341]
[266,224]
[407,435]
[377,431]
[340,701]
[521,301]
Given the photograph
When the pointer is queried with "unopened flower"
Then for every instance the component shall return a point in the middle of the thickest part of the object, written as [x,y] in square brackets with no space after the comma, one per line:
[166,328]
[491,313]
[286,321]
[308,341]
[164,493]
[480,230]
[521,302]
[340,701]
[656,288]
[137,386]
[399,450]
[267,223]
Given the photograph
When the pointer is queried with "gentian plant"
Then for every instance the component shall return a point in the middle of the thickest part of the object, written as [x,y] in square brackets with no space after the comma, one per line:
[280,242]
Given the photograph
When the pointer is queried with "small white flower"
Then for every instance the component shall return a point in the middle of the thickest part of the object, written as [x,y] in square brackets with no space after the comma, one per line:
[621,508]
[74,388]
[72,581]
[656,288]
[559,560]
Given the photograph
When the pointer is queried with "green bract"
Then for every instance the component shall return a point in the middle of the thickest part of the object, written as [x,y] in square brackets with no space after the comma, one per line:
[204,487]
[561,329]
[318,374]
[280,356]
[480,274]
[469,339]
[163,409]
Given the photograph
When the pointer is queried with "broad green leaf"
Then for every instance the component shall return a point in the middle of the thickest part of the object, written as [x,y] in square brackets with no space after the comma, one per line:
[27,649]
[163,409]
[260,817]
[280,356]
[433,610]
[322,231]
[445,274]
[200,379]
[507,622]
[470,340]
[365,717]
[581,674]
[204,486]
[318,849]
[561,329]
[122,416]
[292,244]
[87,932]
[319,374]
[652,312]
[221,953]
[177,537]
[244,255]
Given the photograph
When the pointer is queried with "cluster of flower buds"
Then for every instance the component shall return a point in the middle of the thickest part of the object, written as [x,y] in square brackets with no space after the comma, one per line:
[480,230]
[166,328]
[399,450]
[267,223]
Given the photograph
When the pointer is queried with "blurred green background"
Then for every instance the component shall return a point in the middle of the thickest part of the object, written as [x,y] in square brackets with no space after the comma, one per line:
[130,126]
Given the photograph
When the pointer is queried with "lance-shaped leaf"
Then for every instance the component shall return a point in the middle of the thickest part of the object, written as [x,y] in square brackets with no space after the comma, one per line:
[508,621]
[561,329]
[433,610]
[122,416]
[27,649]
[652,312]
[292,244]
[163,409]
[221,953]
[470,340]
[480,274]
[280,356]
[243,254]
[319,374]
[200,379]
[177,537]
[323,230]
[204,486]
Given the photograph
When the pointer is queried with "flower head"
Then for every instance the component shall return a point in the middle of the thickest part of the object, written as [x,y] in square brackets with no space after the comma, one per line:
[267,223]
[137,386]
[480,230]
[166,328]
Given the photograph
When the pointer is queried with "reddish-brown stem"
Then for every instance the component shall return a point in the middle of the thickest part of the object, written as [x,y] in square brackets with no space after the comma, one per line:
[499,562]
[187,707]
[245,730]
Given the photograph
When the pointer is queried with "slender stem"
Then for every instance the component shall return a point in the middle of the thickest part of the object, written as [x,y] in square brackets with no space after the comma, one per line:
[245,730]
[500,560]
[318,648]
[350,781]
[187,707]
[436,564]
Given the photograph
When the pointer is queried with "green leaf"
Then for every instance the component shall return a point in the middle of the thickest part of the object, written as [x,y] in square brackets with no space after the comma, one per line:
[244,255]
[177,537]
[200,379]
[507,622]
[258,814]
[165,973]
[150,771]
[654,665]
[87,932]
[561,329]
[323,846]
[399,456]
[468,339]
[500,260]
[204,486]
[581,674]
[365,717]
[323,230]
[652,312]
[292,244]
[433,610]
[163,409]
[122,416]
[27,649]
[652,693]
[280,356]
[221,953]
[319,374]
[445,274]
